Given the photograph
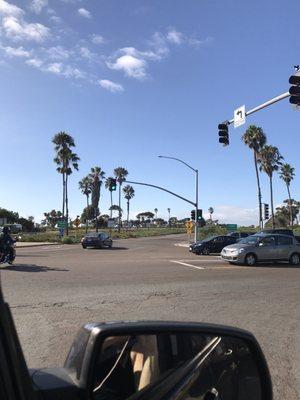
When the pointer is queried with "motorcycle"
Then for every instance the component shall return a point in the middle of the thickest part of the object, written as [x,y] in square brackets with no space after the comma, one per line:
[10,256]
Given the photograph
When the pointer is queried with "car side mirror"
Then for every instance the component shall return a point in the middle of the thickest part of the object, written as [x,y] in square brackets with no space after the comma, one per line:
[149,359]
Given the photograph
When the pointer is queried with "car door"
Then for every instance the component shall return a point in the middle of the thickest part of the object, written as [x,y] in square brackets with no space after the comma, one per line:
[285,245]
[219,243]
[267,249]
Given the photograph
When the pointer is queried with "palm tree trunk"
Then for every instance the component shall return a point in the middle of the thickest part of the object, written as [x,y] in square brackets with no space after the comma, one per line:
[119,225]
[64,196]
[259,191]
[67,206]
[272,205]
[111,203]
[127,212]
[290,205]
[87,209]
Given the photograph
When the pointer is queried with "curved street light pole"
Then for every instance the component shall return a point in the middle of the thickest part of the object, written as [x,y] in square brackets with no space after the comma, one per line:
[196,189]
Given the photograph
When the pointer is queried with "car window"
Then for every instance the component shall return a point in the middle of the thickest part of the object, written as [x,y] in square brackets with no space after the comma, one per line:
[244,234]
[284,240]
[220,239]
[268,241]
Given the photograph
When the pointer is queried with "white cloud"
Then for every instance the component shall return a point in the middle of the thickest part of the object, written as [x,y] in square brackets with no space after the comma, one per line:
[71,72]
[8,9]
[55,68]
[132,66]
[20,30]
[16,51]
[158,43]
[232,214]
[111,86]
[175,37]
[34,62]
[55,19]
[83,12]
[58,53]
[200,42]
[38,5]
[98,39]
[86,53]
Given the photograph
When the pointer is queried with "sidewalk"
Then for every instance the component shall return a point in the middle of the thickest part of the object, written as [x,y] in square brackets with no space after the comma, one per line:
[35,244]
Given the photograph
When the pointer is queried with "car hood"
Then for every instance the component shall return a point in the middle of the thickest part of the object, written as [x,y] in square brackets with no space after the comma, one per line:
[237,246]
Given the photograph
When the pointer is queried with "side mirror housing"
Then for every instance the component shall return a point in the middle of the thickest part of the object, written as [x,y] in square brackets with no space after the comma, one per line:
[147,358]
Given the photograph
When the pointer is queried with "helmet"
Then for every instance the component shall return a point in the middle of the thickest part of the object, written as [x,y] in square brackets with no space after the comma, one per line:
[6,230]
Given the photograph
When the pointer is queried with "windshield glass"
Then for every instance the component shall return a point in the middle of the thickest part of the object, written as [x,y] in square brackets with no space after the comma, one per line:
[250,239]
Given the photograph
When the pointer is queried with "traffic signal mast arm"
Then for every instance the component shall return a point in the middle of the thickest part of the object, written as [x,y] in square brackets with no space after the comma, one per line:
[161,188]
[263,105]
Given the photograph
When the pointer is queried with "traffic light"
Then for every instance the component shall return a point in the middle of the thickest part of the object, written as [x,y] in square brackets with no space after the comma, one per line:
[113,185]
[223,134]
[199,215]
[266,211]
[193,215]
[295,89]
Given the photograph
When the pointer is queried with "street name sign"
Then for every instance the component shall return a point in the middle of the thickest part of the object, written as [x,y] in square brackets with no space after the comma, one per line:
[239,116]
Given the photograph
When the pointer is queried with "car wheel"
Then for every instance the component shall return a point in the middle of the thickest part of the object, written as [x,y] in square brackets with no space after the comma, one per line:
[205,251]
[250,259]
[295,259]
[84,246]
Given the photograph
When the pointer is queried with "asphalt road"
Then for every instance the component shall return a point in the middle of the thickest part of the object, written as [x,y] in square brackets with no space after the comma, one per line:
[53,290]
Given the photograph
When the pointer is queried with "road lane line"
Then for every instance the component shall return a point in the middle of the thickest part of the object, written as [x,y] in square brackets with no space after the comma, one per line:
[186,265]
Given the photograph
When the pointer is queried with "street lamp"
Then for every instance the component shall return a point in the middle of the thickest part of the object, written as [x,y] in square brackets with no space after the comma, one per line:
[196,188]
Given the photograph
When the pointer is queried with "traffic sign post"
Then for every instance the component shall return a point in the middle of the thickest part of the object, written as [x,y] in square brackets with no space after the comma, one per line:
[239,116]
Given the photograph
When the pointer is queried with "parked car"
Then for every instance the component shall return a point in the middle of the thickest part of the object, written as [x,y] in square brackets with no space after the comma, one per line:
[212,244]
[96,239]
[239,235]
[263,247]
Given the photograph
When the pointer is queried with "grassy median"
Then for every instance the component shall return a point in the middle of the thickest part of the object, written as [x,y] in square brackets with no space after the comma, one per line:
[76,235]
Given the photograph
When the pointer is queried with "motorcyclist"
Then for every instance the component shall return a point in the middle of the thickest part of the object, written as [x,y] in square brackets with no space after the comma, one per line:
[6,241]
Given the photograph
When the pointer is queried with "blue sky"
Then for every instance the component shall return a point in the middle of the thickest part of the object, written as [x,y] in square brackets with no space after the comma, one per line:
[130,80]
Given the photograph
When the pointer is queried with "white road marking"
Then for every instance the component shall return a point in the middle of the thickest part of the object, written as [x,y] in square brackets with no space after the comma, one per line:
[186,265]
[182,244]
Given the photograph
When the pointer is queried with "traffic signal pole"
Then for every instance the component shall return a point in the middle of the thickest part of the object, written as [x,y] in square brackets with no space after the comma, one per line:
[196,209]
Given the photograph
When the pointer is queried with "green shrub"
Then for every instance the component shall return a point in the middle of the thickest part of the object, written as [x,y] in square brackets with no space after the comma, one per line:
[68,240]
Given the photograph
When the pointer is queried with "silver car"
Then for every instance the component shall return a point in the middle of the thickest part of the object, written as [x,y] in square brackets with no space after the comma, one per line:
[261,248]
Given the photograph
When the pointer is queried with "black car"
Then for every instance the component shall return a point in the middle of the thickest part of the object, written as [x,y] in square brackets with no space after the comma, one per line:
[214,244]
[96,239]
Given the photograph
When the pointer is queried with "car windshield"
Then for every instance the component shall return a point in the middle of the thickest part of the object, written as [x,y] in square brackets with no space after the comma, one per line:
[253,239]
[135,136]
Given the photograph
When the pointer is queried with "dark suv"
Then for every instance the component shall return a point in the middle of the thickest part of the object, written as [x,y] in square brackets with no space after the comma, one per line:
[213,244]
[239,235]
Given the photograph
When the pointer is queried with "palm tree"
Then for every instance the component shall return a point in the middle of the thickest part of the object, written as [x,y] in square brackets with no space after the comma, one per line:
[108,183]
[210,210]
[120,174]
[169,212]
[269,159]
[156,211]
[96,176]
[85,185]
[287,173]
[255,139]
[129,194]
[65,160]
